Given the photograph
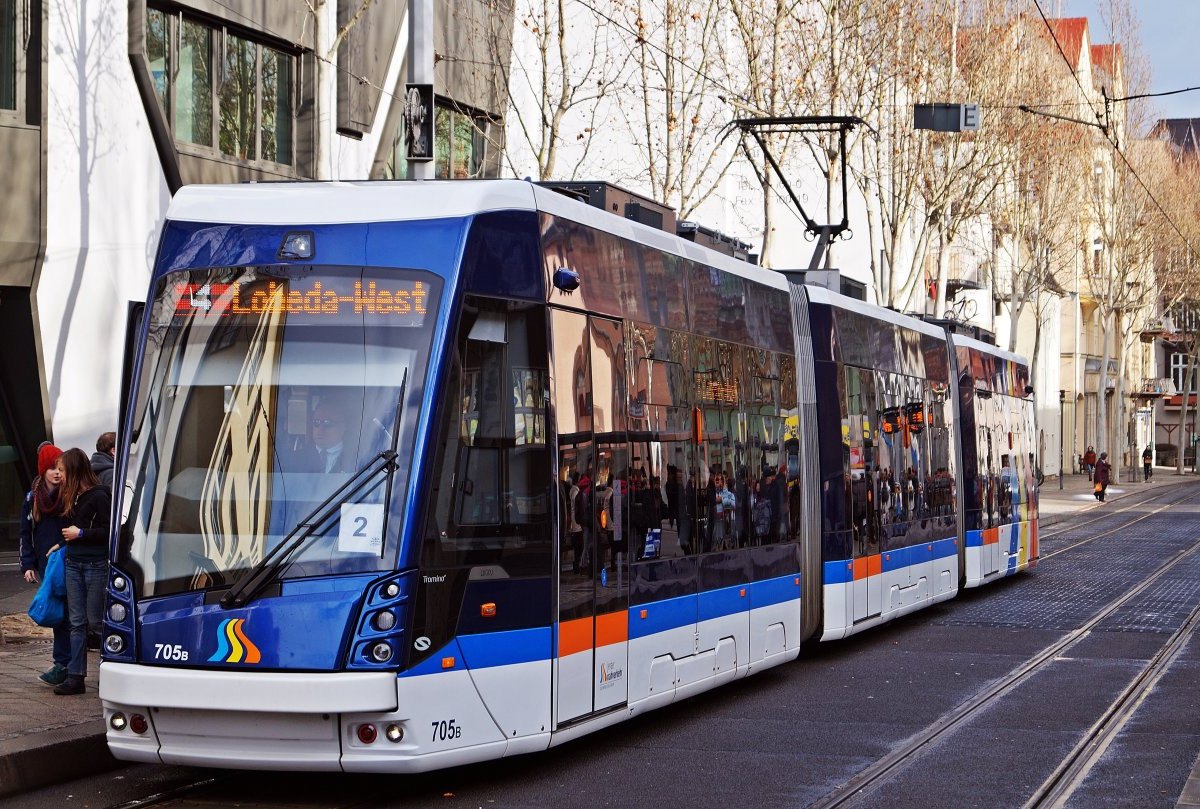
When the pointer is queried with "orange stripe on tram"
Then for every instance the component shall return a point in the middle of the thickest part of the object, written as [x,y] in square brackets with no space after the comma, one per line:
[252,653]
[612,627]
[574,636]
[860,568]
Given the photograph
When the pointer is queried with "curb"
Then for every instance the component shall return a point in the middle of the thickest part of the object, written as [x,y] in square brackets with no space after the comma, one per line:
[54,756]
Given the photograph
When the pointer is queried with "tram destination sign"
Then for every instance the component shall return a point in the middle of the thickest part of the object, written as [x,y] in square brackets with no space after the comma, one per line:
[399,303]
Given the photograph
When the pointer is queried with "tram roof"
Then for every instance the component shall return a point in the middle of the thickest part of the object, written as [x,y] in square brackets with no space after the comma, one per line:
[331,203]
[988,348]
[827,296]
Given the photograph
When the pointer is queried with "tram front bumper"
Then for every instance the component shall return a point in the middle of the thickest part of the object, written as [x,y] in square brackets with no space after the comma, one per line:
[241,719]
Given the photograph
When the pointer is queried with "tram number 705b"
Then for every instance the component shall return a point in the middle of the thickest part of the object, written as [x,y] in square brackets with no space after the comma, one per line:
[446,729]
[170,651]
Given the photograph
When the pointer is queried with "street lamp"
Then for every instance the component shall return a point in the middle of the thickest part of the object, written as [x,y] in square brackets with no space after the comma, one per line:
[1062,405]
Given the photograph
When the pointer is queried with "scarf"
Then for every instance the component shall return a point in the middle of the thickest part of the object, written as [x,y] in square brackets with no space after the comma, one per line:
[45,502]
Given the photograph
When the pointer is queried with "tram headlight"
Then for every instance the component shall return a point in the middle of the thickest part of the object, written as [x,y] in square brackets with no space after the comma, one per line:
[391,589]
[384,620]
[394,733]
[114,644]
[117,721]
[381,652]
[117,613]
[119,584]
[297,244]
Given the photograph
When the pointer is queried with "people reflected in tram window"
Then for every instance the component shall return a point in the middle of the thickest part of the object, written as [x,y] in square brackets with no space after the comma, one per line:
[687,517]
[724,514]
[1004,495]
[861,503]
[606,553]
[707,494]
[585,517]
[673,489]
[574,521]
[643,510]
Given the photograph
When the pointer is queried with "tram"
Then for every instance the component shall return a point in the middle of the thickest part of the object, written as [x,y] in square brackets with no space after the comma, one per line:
[422,474]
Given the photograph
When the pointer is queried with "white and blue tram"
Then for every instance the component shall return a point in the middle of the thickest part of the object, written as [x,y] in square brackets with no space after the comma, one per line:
[419,474]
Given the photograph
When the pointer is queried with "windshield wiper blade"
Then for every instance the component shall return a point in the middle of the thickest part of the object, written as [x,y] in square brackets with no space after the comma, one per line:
[262,573]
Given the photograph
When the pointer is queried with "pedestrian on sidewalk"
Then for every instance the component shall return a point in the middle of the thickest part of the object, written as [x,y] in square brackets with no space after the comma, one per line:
[42,522]
[104,458]
[88,507]
[1100,475]
[1147,463]
[1089,461]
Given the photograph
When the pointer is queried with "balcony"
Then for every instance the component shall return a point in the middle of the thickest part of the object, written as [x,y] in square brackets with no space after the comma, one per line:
[1155,388]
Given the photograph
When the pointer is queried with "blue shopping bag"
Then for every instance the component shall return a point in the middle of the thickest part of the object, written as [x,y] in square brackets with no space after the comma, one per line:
[49,605]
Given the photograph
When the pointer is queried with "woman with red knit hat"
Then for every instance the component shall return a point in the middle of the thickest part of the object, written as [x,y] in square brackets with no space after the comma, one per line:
[42,521]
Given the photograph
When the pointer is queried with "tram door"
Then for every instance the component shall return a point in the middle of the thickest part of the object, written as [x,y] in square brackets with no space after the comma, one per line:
[872,491]
[593,624]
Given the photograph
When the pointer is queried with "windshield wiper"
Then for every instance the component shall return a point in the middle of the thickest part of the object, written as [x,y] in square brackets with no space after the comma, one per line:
[263,573]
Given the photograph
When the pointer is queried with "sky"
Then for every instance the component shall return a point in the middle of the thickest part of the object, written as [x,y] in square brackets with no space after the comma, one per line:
[1169,33]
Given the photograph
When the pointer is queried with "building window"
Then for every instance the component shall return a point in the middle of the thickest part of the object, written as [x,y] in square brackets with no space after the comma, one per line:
[1179,363]
[156,54]
[458,139]
[199,69]
[459,144]
[239,99]
[8,54]
[193,85]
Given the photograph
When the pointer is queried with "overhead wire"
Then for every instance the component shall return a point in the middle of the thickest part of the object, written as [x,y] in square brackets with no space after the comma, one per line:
[1156,95]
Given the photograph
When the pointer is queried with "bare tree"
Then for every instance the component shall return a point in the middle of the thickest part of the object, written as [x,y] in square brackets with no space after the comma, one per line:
[677,78]
[1175,235]
[774,83]
[1036,214]
[563,70]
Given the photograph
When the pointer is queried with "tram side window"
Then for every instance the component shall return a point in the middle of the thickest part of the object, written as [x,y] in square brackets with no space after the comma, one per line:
[491,482]
[941,455]
[865,483]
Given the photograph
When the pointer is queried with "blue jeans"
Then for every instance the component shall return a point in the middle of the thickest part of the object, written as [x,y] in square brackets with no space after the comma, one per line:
[86,583]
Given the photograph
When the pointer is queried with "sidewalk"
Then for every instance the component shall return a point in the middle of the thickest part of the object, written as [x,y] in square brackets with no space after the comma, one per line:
[1055,505]
[47,739]
[44,739]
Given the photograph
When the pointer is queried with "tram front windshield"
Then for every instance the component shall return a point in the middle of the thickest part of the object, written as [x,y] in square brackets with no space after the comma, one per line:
[262,392]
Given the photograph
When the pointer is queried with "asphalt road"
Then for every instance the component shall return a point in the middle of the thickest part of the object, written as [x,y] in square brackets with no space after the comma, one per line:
[794,736]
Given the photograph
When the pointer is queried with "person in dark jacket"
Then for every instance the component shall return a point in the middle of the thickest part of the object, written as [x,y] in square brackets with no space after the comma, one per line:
[1100,476]
[41,532]
[87,507]
[104,457]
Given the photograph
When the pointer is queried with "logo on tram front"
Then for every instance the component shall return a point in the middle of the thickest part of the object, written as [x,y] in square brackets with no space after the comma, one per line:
[232,644]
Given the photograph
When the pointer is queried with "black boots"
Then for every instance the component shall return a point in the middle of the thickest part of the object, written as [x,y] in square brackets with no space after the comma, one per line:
[70,686]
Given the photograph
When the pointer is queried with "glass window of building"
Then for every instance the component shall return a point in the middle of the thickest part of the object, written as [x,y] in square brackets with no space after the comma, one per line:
[8,54]
[239,102]
[459,145]
[157,46]
[1179,367]
[193,91]
[277,106]
[222,91]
